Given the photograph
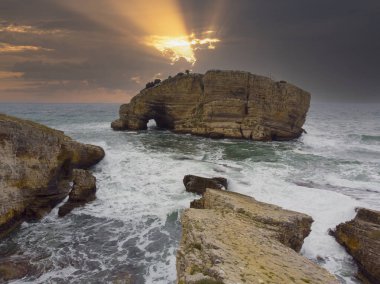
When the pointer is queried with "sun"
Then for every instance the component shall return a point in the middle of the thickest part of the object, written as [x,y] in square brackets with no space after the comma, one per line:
[179,47]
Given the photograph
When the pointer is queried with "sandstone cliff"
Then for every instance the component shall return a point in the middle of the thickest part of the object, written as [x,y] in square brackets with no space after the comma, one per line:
[230,104]
[361,238]
[36,169]
[233,238]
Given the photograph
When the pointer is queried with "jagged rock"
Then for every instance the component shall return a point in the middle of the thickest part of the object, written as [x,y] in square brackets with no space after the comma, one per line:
[83,191]
[236,239]
[84,187]
[230,104]
[361,238]
[118,124]
[36,169]
[198,184]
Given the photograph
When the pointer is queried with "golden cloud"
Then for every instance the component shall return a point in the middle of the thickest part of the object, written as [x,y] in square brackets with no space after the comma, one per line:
[9,48]
[10,75]
[179,47]
[24,29]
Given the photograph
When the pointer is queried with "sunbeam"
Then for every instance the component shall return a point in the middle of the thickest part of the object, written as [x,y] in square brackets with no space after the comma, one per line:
[159,25]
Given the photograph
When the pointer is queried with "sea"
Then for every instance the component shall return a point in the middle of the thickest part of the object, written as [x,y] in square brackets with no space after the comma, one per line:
[133,227]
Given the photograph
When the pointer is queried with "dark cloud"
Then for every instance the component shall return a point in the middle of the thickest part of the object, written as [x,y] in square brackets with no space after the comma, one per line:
[330,48]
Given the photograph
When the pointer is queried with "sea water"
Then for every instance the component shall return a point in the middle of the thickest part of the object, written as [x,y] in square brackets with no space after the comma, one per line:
[133,227]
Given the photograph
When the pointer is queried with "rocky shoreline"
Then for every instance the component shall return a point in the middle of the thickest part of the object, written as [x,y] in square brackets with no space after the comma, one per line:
[220,104]
[226,237]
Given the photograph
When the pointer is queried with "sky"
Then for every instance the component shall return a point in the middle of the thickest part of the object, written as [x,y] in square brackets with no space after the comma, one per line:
[84,51]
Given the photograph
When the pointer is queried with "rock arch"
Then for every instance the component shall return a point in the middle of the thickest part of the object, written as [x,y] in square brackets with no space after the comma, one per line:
[231,104]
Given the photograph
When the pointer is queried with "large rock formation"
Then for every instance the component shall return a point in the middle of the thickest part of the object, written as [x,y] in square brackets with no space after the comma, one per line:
[36,169]
[233,238]
[361,238]
[230,104]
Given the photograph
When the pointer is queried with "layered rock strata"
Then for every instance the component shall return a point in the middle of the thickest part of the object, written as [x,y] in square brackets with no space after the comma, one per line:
[233,238]
[361,238]
[36,169]
[220,104]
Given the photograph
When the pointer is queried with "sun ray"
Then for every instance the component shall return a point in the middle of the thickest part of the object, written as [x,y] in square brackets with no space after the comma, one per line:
[157,24]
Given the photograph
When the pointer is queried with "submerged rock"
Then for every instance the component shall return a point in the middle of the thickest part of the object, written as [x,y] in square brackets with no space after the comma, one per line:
[36,169]
[220,104]
[15,268]
[361,238]
[233,238]
[199,185]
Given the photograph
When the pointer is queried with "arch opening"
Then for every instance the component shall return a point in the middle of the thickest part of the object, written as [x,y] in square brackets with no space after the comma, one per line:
[151,124]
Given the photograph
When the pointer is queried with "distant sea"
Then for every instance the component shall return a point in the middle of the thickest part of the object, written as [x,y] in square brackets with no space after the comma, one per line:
[133,225]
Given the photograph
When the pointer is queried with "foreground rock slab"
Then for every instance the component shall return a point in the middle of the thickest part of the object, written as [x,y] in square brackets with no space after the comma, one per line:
[236,239]
[199,185]
[220,104]
[36,169]
[361,238]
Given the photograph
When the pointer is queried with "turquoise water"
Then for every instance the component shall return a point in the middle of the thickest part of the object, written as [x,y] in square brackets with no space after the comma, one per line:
[133,226]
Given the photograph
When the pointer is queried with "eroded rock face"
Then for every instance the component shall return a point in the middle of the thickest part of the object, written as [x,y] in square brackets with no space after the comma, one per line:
[235,239]
[361,238]
[220,104]
[199,185]
[36,169]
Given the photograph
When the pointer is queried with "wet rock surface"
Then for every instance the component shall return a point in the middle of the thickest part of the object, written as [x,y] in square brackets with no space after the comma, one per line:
[232,238]
[36,169]
[197,184]
[361,238]
[16,268]
[220,104]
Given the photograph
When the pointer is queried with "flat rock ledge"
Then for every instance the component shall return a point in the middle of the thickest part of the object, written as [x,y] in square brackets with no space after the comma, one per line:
[233,238]
[361,239]
[220,104]
[36,169]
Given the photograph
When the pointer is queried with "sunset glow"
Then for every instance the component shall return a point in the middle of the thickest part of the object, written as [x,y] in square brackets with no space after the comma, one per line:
[184,47]
[9,48]
[160,25]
